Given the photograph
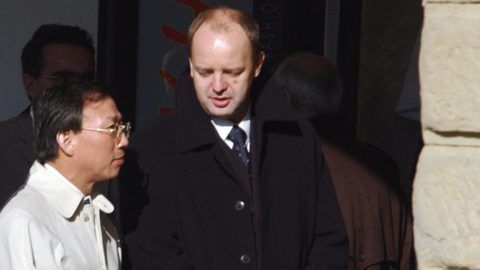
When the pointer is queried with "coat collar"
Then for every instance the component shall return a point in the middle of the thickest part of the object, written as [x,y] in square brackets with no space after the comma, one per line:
[271,105]
[191,121]
[62,195]
[193,125]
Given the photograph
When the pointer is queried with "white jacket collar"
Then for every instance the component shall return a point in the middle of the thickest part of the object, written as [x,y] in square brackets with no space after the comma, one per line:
[60,192]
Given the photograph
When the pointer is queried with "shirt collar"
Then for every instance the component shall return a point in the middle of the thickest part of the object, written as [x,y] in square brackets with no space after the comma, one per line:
[59,192]
[223,126]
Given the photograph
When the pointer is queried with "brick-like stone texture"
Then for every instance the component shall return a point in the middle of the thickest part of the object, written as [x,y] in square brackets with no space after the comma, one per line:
[451,138]
[446,207]
[450,1]
[450,68]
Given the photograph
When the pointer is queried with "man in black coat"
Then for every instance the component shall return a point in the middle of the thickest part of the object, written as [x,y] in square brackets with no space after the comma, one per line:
[233,179]
[54,53]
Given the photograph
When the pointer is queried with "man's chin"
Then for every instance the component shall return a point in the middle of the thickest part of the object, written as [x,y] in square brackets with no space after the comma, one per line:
[221,114]
[111,175]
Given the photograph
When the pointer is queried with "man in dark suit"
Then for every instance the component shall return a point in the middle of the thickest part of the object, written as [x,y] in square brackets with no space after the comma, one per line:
[377,218]
[54,53]
[234,180]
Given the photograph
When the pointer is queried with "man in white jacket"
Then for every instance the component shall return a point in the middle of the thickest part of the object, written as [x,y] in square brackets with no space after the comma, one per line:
[56,221]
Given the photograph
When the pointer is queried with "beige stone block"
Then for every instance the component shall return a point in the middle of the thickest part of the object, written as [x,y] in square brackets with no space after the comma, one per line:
[446,207]
[425,2]
[449,68]
[451,138]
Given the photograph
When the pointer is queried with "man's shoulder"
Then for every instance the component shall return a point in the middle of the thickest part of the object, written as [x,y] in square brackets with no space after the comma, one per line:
[161,125]
[296,129]
[351,165]
[11,123]
[16,141]
[158,132]
[26,204]
[14,125]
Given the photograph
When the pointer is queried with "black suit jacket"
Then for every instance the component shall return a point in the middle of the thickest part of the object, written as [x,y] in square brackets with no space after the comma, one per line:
[16,153]
[194,218]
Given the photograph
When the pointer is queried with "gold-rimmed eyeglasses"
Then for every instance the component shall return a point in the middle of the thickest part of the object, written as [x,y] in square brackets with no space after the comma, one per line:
[116,130]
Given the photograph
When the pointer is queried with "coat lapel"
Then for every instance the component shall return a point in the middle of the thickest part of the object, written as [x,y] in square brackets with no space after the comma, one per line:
[196,132]
[263,115]
[223,161]
[194,129]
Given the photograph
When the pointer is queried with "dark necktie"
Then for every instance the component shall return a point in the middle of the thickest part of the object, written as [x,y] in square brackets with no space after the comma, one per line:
[86,200]
[239,137]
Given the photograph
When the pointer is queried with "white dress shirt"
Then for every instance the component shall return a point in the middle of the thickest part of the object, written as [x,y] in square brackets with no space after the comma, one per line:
[223,127]
[46,225]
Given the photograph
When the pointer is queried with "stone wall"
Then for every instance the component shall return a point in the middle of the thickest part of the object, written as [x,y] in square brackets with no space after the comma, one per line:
[446,196]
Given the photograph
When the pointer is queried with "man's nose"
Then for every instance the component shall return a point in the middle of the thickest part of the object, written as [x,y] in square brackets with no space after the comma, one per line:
[123,141]
[219,83]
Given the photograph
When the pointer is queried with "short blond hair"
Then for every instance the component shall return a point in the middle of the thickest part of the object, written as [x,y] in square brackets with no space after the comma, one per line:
[221,18]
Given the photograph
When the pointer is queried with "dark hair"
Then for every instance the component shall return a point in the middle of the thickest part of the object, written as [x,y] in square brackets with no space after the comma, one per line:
[32,54]
[60,109]
[217,17]
[312,82]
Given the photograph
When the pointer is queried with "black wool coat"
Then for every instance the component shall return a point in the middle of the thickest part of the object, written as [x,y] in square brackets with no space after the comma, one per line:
[184,206]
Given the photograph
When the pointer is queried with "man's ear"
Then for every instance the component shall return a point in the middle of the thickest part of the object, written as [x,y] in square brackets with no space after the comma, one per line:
[66,141]
[258,68]
[30,86]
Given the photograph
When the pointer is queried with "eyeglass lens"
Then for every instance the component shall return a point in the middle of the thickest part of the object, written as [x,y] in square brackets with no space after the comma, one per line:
[122,128]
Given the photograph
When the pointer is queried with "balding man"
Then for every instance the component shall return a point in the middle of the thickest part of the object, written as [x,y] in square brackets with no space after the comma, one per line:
[234,179]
